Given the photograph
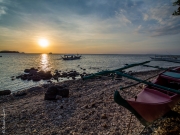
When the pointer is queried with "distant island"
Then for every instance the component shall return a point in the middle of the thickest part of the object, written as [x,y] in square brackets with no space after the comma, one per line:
[9,52]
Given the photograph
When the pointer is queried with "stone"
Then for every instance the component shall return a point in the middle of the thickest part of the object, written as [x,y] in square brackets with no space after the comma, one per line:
[45,85]
[27,70]
[56,92]
[19,94]
[35,89]
[104,125]
[33,72]
[36,78]
[58,97]
[5,92]
[103,116]
[49,97]
[63,92]
[52,90]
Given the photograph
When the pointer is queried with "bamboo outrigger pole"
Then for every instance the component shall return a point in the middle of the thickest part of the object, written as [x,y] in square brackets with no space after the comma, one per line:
[169,69]
[148,83]
[155,67]
[118,72]
[112,71]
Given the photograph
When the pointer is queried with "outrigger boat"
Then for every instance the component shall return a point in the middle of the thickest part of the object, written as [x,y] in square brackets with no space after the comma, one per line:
[154,101]
[169,58]
[71,57]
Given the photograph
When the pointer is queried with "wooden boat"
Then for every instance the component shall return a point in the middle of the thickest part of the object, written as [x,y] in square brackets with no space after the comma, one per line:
[169,58]
[155,100]
[149,105]
[176,69]
[71,57]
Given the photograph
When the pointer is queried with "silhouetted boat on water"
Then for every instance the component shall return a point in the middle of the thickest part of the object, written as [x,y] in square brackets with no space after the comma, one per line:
[71,57]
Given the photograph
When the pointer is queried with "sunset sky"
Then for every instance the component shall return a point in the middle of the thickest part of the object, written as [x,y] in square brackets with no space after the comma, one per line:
[90,26]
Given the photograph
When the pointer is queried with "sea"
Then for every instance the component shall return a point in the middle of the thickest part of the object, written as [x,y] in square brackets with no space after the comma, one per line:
[13,64]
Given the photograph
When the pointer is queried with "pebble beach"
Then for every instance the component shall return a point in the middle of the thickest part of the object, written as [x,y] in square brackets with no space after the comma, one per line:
[89,110]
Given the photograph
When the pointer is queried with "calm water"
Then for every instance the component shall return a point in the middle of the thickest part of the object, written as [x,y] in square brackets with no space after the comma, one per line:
[14,64]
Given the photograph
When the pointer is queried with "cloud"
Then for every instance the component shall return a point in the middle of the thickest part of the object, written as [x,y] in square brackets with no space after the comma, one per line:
[121,16]
[3,7]
[157,20]
[166,30]
[145,17]
[2,10]
[76,20]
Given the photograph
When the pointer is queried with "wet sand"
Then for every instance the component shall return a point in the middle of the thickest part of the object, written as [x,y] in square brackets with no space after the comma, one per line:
[90,109]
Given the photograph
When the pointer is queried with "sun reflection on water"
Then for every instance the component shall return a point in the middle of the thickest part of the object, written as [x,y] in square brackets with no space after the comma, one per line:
[44,62]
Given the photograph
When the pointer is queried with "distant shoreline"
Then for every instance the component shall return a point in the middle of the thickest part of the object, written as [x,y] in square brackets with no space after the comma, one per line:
[9,52]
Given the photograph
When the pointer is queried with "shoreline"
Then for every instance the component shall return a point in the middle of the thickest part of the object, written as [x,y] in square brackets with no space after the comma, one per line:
[88,64]
[62,79]
[90,109]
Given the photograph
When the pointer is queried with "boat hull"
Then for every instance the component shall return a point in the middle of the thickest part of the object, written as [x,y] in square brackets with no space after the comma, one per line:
[151,104]
[171,80]
[71,58]
[154,102]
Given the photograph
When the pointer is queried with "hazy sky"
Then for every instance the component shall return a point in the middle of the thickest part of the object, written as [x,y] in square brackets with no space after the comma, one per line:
[90,26]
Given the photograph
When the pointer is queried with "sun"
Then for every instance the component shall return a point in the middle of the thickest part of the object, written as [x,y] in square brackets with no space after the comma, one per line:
[43,42]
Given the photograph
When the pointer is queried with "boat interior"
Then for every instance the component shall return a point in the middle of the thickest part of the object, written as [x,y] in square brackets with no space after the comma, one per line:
[151,96]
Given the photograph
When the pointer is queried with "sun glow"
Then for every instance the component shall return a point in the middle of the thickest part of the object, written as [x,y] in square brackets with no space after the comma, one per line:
[43,42]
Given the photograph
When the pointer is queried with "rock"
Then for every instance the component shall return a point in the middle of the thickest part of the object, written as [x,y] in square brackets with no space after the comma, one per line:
[104,125]
[35,89]
[52,90]
[5,92]
[63,92]
[64,74]
[64,85]
[45,85]
[17,77]
[45,75]
[36,78]
[85,107]
[27,70]
[57,91]
[32,72]
[35,75]
[23,77]
[81,76]
[19,94]
[58,97]
[49,97]
[103,116]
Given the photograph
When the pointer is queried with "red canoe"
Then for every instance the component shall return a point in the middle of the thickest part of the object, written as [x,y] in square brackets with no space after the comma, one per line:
[152,103]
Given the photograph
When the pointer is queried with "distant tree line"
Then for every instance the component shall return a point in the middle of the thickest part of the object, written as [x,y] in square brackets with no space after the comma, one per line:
[177,3]
[9,52]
